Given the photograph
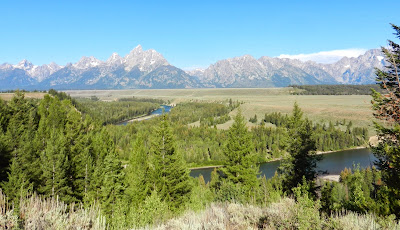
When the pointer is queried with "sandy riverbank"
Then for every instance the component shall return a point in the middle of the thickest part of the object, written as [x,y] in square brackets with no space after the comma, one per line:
[332,177]
[325,152]
[206,167]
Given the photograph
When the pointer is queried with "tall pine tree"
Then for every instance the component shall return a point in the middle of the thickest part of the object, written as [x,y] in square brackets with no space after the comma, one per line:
[138,172]
[302,159]
[241,160]
[387,109]
[55,166]
[113,186]
[170,175]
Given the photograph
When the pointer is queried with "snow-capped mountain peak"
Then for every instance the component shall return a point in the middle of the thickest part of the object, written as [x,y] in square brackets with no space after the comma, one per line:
[24,64]
[149,69]
[115,59]
[145,61]
[87,62]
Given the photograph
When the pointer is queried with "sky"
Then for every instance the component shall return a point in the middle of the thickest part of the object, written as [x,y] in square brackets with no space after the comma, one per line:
[193,34]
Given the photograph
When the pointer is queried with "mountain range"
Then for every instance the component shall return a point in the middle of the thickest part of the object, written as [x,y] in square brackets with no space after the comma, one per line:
[149,69]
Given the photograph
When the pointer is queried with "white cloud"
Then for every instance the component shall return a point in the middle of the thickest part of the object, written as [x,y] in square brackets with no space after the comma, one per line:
[326,56]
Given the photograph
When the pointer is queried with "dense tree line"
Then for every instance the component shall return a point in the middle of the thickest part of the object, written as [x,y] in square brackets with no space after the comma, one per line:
[334,89]
[49,147]
[202,144]
[272,142]
[358,190]
[120,110]
[54,151]
[208,114]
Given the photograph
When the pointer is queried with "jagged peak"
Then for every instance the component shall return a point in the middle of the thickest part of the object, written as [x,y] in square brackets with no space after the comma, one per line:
[138,47]
[137,50]
[53,64]
[87,62]
[114,58]
[6,66]
[24,64]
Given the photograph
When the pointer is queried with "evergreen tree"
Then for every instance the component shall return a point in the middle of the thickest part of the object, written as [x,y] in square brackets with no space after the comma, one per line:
[170,176]
[22,117]
[18,184]
[113,184]
[78,135]
[302,160]
[101,146]
[18,140]
[138,173]
[55,166]
[4,115]
[240,165]
[5,157]
[386,106]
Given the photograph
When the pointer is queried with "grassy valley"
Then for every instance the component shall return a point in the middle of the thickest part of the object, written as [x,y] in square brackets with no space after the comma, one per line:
[321,108]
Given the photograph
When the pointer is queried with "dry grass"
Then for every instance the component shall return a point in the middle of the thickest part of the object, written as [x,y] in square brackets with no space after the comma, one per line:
[48,213]
[285,214]
[8,96]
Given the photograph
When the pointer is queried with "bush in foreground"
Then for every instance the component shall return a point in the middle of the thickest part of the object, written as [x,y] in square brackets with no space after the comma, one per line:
[285,214]
[48,213]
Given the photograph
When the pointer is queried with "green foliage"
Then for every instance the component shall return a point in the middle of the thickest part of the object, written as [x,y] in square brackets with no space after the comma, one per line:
[302,160]
[113,184]
[360,190]
[200,196]
[169,176]
[18,184]
[209,114]
[116,111]
[307,210]
[270,190]
[153,211]
[137,174]
[51,148]
[55,166]
[327,138]
[254,119]
[5,156]
[241,165]
[333,89]
[386,106]
[333,197]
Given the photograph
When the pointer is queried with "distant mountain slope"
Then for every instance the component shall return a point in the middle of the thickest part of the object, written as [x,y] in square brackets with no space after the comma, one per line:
[246,71]
[149,69]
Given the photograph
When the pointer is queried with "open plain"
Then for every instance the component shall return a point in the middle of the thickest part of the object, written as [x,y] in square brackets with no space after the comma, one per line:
[321,108]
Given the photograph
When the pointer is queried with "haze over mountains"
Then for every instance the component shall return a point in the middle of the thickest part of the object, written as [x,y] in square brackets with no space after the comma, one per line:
[149,69]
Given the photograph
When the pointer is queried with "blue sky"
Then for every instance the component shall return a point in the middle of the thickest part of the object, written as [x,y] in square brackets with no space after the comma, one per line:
[190,33]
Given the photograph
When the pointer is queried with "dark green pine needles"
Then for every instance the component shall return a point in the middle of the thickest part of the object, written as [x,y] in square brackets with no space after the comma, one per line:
[240,165]
[170,175]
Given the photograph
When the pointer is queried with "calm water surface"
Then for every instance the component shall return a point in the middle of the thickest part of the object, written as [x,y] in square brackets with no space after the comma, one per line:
[333,163]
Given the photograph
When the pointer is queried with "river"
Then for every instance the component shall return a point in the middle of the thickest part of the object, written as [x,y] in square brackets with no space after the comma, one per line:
[157,112]
[333,163]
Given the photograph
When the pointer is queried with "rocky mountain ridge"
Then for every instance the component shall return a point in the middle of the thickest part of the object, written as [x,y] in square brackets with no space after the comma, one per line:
[149,69]
[269,72]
